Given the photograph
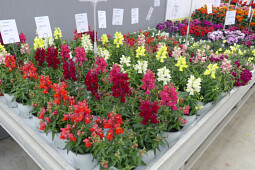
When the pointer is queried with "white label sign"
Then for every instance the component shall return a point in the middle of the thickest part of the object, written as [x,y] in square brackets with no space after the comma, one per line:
[230,18]
[149,14]
[209,8]
[156,3]
[9,31]
[249,14]
[216,3]
[102,19]
[248,2]
[82,22]
[117,17]
[43,26]
[134,15]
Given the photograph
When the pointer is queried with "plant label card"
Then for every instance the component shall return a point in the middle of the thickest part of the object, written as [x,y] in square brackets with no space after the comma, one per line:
[9,31]
[156,3]
[149,14]
[249,14]
[117,17]
[82,22]
[134,15]
[102,19]
[209,8]
[43,26]
[216,3]
[230,18]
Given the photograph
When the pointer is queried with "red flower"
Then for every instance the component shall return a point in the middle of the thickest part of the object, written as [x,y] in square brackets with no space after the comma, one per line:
[10,62]
[118,130]
[110,135]
[87,143]
[40,56]
[149,111]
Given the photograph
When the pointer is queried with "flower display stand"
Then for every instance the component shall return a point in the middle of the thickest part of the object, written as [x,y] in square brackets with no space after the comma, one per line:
[181,154]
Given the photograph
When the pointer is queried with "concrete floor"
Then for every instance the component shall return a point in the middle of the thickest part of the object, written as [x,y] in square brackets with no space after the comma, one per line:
[233,149]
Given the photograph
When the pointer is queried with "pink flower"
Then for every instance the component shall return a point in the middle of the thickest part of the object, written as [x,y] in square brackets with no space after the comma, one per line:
[80,55]
[148,82]
[169,96]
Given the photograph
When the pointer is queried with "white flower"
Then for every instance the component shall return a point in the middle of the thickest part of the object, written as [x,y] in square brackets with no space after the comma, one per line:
[141,67]
[102,52]
[49,41]
[193,85]
[125,60]
[164,75]
[86,43]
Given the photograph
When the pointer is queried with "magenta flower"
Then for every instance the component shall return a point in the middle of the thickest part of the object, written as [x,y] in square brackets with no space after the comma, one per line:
[148,82]
[80,55]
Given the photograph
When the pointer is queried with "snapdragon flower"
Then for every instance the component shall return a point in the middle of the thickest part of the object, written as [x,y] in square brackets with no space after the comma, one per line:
[57,33]
[211,70]
[38,43]
[162,52]
[140,51]
[125,60]
[102,52]
[193,85]
[48,42]
[141,66]
[164,75]
[181,63]
[104,39]
[118,39]
[86,43]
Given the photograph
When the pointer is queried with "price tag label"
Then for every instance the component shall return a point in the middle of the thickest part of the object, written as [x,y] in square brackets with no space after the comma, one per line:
[9,31]
[230,18]
[102,19]
[209,8]
[134,15]
[82,22]
[117,17]
[43,26]
[149,14]
[156,3]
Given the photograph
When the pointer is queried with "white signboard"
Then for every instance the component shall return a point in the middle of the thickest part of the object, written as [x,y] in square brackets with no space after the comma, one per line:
[216,3]
[134,15]
[149,14]
[156,3]
[82,22]
[43,26]
[230,18]
[249,14]
[209,8]
[9,31]
[117,16]
[102,19]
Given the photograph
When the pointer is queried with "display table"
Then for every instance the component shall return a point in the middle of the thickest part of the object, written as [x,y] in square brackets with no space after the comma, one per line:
[183,154]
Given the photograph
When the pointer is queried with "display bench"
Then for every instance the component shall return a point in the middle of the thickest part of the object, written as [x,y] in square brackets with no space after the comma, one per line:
[181,154]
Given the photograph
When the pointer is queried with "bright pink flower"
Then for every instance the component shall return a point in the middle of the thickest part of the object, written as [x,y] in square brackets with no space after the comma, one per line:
[65,52]
[148,82]
[80,55]
[169,96]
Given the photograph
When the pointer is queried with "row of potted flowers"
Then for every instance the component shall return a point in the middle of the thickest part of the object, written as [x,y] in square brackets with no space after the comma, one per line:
[118,105]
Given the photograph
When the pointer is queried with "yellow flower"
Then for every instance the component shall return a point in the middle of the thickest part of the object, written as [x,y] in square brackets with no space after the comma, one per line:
[57,33]
[162,52]
[240,52]
[140,51]
[118,39]
[211,69]
[104,39]
[250,59]
[38,43]
[181,63]
[220,49]
[2,49]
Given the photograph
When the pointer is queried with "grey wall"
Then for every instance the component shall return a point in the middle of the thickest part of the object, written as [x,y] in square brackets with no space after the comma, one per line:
[61,13]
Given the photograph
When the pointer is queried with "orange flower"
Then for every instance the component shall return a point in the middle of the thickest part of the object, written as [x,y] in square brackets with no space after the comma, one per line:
[252,24]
